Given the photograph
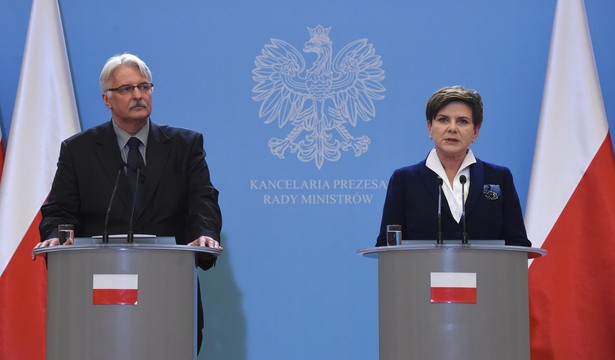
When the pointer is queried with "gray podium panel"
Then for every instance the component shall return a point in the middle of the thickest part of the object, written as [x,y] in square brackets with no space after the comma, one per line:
[412,326]
[162,323]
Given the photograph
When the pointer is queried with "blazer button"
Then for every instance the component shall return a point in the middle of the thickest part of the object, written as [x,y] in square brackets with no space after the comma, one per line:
[457,234]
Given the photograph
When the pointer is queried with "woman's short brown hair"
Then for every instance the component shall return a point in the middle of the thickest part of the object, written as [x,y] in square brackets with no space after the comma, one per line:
[450,94]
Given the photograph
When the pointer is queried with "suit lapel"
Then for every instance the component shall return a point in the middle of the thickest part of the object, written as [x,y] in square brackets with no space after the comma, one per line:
[430,182]
[157,154]
[108,153]
[477,179]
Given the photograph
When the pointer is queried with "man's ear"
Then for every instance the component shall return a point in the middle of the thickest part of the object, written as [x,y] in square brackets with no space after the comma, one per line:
[106,100]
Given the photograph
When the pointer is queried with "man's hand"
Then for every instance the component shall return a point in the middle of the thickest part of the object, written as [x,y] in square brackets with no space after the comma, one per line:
[50,242]
[206,241]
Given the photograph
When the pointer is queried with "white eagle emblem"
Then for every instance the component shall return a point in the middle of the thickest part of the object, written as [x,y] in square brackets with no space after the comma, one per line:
[320,101]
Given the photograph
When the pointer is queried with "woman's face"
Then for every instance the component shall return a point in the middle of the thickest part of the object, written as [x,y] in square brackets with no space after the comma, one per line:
[452,130]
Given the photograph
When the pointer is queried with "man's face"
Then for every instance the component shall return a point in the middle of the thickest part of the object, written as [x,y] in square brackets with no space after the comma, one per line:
[134,107]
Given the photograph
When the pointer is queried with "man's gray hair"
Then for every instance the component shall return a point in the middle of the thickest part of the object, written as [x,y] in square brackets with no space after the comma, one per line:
[122,60]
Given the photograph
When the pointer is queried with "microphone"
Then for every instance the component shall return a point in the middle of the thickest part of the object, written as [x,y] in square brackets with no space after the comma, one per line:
[130,238]
[439,238]
[464,234]
[105,235]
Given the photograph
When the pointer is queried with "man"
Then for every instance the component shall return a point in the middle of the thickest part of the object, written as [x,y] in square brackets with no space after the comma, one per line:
[174,195]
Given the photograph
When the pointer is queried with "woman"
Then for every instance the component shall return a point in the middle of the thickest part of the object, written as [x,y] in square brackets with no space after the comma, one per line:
[492,208]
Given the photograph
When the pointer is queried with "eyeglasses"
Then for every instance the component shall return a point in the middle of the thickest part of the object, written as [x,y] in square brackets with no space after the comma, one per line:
[128,89]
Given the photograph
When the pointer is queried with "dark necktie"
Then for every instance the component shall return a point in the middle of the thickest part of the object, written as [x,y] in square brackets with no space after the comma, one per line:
[135,164]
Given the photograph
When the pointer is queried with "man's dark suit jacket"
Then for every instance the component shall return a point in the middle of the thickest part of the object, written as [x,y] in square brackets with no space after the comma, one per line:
[412,201]
[178,197]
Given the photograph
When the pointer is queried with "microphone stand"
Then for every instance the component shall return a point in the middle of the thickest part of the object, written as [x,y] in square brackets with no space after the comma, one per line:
[105,235]
[439,239]
[130,237]
[464,234]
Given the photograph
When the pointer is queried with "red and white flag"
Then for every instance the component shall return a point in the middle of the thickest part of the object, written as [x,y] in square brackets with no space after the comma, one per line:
[1,154]
[453,287]
[45,113]
[115,289]
[571,204]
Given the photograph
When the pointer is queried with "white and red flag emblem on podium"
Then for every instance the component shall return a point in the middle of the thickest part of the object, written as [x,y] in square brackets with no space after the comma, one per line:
[571,204]
[453,287]
[115,289]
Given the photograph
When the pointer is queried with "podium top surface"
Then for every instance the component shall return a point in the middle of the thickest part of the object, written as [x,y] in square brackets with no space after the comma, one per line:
[375,251]
[123,247]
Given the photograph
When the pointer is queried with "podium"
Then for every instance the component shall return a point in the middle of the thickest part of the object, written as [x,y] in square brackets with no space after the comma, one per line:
[122,301]
[453,301]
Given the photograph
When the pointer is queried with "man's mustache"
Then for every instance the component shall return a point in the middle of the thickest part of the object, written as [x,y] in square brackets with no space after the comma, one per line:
[138,103]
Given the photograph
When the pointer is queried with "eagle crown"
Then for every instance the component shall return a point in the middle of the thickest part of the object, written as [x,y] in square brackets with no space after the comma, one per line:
[319,34]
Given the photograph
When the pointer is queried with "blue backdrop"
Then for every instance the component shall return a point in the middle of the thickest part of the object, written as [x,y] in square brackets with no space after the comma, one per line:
[290,285]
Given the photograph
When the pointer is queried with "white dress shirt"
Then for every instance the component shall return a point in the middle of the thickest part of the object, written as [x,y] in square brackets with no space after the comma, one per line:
[452,192]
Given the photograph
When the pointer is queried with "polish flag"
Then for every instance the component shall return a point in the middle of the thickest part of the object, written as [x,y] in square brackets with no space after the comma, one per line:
[453,287]
[115,289]
[1,154]
[44,114]
[571,204]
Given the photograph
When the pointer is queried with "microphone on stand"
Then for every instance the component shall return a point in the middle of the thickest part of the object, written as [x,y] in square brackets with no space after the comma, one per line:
[105,235]
[131,236]
[439,238]
[464,234]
